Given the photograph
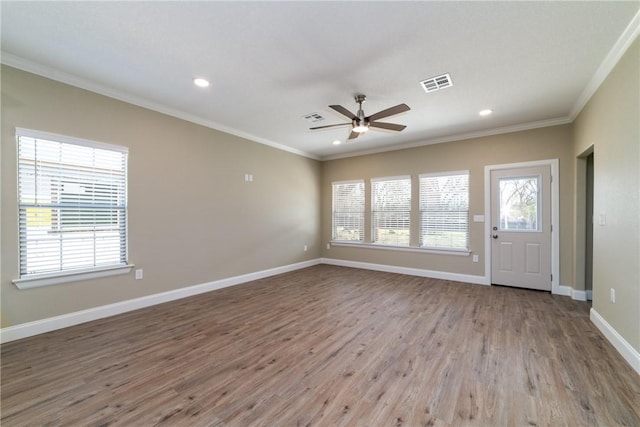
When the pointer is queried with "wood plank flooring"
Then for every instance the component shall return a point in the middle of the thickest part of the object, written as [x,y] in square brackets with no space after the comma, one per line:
[328,346]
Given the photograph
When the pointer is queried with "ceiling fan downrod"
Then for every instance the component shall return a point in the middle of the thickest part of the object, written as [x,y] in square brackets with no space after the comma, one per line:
[360,125]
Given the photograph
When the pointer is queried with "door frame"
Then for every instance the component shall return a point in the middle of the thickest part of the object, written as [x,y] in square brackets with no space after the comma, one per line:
[555,219]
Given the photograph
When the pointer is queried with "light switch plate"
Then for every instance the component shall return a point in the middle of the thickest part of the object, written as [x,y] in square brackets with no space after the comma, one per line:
[602,219]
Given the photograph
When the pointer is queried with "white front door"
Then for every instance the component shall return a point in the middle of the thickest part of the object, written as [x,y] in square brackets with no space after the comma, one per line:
[521,227]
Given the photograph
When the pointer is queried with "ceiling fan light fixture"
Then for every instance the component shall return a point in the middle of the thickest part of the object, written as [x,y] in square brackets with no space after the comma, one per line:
[361,128]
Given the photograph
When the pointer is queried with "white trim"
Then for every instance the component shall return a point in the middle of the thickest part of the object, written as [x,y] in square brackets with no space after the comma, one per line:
[60,76]
[620,47]
[443,275]
[391,178]
[37,327]
[54,137]
[575,294]
[448,173]
[47,72]
[25,330]
[456,252]
[627,37]
[352,181]
[625,349]
[564,291]
[556,289]
[578,295]
[38,280]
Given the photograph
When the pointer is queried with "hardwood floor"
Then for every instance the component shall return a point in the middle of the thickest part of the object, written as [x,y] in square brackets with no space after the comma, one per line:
[328,346]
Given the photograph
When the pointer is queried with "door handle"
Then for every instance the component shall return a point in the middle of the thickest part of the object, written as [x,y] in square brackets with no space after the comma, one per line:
[495,236]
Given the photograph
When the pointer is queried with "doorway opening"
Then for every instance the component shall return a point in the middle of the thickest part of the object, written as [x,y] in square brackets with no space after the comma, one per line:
[585,175]
[490,170]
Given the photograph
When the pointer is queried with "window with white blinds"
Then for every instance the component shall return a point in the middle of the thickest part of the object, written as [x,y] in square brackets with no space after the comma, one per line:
[391,210]
[348,211]
[72,204]
[444,210]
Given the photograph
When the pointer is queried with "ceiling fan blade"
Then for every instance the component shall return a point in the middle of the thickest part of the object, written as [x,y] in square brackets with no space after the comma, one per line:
[340,109]
[389,126]
[329,126]
[353,135]
[400,108]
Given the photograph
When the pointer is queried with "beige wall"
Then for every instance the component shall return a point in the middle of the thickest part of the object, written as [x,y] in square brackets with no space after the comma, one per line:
[192,218]
[610,123]
[473,155]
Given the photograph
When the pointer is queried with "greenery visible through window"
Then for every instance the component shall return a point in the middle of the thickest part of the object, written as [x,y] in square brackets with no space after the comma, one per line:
[72,204]
[391,211]
[348,211]
[444,210]
[519,203]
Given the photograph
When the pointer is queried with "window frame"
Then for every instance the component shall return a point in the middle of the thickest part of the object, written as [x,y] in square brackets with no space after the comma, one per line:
[361,222]
[374,210]
[37,279]
[421,245]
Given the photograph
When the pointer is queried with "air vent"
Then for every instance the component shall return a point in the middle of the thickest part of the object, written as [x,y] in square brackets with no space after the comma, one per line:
[436,83]
[313,117]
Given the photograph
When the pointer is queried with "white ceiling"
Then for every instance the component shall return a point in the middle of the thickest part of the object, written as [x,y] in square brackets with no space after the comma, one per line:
[271,63]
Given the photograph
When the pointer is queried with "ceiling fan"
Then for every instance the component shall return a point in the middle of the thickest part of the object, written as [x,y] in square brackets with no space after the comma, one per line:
[360,123]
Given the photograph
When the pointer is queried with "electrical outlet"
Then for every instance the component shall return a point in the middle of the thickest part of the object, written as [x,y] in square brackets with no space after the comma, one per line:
[328,245]
[475,257]
[612,295]
[139,274]
[305,248]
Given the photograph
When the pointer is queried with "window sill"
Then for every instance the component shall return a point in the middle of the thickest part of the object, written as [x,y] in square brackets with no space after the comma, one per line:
[39,280]
[455,252]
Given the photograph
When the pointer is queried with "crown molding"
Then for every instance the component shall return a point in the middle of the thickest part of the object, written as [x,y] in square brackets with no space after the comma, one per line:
[457,137]
[625,40]
[70,79]
[627,37]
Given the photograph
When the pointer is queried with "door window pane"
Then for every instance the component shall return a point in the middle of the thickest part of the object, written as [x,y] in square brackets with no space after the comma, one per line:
[519,199]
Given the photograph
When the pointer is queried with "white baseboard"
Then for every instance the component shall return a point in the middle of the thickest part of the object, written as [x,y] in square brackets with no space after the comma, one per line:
[467,278]
[563,290]
[25,330]
[578,295]
[624,348]
[573,293]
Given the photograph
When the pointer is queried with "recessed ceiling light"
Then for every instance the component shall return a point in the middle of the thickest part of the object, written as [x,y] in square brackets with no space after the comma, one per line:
[200,82]
[337,142]
[485,112]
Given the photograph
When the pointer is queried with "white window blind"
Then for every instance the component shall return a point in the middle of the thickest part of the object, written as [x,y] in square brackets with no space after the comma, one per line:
[72,204]
[444,210]
[391,210]
[348,211]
